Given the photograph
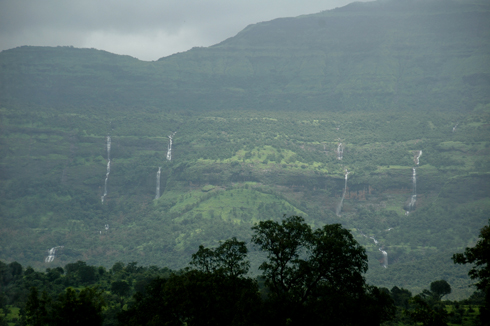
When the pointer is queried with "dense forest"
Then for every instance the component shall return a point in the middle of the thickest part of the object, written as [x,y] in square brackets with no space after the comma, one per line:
[310,276]
[374,116]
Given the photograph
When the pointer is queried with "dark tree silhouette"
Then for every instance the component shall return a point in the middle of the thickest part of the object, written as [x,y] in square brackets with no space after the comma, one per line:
[479,256]
[317,276]
[228,258]
[440,288]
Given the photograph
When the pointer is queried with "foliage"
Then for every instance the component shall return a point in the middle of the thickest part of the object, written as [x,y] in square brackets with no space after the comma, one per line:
[71,308]
[308,272]
[440,288]
[427,315]
[195,298]
[259,118]
[479,255]
[227,259]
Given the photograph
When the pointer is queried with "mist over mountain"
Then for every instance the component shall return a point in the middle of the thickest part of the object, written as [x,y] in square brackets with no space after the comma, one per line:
[374,115]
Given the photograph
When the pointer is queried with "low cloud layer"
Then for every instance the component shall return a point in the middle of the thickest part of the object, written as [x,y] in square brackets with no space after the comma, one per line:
[148,29]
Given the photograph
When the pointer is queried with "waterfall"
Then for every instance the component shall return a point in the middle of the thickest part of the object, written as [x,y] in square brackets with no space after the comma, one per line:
[109,148]
[339,207]
[340,151]
[157,195]
[169,149]
[413,198]
[417,158]
[51,254]
[385,254]
[385,258]
[108,168]
[454,128]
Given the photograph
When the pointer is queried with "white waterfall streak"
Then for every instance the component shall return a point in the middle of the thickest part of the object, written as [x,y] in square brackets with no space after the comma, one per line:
[109,148]
[157,195]
[51,254]
[385,258]
[108,168]
[385,254]
[413,198]
[339,207]
[340,151]
[417,158]
[169,149]
[454,128]
[414,181]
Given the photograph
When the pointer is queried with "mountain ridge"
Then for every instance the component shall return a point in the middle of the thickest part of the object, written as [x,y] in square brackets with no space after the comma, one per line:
[260,122]
[335,59]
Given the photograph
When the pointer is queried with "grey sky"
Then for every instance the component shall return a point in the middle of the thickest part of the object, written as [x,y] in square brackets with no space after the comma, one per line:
[145,29]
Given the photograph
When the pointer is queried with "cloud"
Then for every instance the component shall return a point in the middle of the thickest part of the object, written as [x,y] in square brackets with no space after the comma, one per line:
[147,29]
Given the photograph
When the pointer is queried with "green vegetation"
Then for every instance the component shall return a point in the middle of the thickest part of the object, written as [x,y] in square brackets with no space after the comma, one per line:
[313,276]
[258,120]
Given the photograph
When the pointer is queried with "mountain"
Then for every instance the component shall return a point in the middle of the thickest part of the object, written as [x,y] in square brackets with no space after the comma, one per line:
[266,123]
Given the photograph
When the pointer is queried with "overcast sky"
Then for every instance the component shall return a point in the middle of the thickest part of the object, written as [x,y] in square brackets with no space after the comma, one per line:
[145,29]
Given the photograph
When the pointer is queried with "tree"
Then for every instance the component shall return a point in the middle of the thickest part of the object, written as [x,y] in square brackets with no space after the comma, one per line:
[422,311]
[215,293]
[120,288]
[316,276]
[15,268]
[227,258]
[81,271]
[401,296]
[195,298]
[479,255]
[299,259]
[440,288]
[84,308]
[37,308]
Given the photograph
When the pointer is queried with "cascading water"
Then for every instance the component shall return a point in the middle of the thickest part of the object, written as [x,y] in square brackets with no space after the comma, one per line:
[413,198]
[385,254]
[340,151]
[169,150]
[108,168]
[454,128]
[109,148]
[385,258]
[339,207]
[157,195]
[51,254]
[417,158]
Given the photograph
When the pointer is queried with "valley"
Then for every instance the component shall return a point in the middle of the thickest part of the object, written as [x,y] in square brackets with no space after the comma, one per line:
[382,126]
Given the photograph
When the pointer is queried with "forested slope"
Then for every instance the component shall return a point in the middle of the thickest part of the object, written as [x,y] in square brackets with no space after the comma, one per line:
[267,123]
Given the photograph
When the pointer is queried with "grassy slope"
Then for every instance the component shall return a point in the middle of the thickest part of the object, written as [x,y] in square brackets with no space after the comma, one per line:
[258,119]
[278,169]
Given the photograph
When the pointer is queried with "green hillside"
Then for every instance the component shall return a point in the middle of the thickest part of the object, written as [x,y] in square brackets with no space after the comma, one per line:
[258,121]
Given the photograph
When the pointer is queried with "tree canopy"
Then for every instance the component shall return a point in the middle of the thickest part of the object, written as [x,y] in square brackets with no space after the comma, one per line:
[227,258]
[316,275]
[479,256]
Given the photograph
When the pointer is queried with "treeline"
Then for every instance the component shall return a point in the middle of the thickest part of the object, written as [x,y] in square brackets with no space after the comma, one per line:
[310,276]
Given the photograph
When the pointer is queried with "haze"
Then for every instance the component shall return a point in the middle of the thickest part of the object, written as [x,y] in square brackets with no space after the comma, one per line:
[147,30]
